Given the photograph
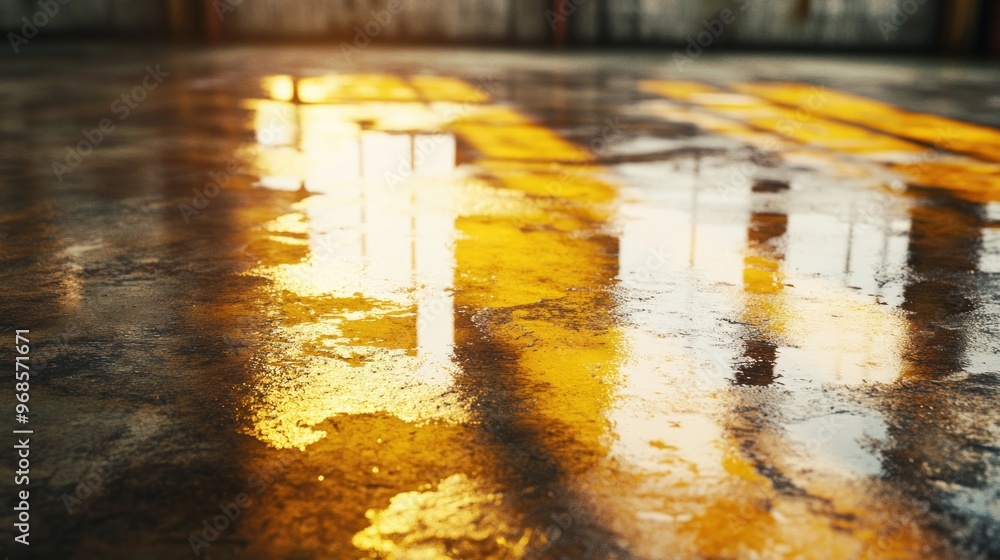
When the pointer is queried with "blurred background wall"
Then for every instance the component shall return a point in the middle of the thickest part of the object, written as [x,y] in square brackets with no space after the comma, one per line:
[952,26]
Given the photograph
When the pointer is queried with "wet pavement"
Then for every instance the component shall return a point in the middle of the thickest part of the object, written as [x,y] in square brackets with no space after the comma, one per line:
[473,304]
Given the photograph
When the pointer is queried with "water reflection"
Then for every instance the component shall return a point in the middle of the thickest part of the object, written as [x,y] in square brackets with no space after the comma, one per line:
[929,440]
[373,290]
[763,282]
[927,246]
[681,365]
[406,272]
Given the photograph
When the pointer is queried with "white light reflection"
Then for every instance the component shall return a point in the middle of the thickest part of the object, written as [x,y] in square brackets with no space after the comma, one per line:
[378,277]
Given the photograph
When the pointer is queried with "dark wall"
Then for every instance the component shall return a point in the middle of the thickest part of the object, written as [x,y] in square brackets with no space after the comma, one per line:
[862,24]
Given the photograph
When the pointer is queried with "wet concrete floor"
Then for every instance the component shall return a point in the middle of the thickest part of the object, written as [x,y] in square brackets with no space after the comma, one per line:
[471,304]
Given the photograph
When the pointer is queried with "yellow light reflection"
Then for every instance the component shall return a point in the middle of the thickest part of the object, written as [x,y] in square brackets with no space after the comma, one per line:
[361,330]
[700,483]
[502,133]
[529,262]
[386,288]
[802,126]
[350,127]
[820,118]
[279,88]
[932,129]
[367,310]
[385,87]
[457,519]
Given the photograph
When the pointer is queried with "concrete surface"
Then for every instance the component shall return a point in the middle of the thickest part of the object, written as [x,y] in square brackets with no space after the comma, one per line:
[471,304]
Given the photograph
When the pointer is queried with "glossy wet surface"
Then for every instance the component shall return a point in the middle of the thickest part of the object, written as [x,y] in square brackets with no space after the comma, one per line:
[486,305]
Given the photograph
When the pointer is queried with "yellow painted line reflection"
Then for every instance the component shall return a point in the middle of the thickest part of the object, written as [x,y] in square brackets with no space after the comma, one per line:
[371,87]
[807,340]
[353,126]
[367,279]
[810,344]
[763,280]
[936,130]
[446,88]
[502,133]
[505,269]
[803,127]
[543,269]
[747,517]
[676,89]
[320,89]
[971,179]
[363,290]
[370,283]
[976,181]
[550,269]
